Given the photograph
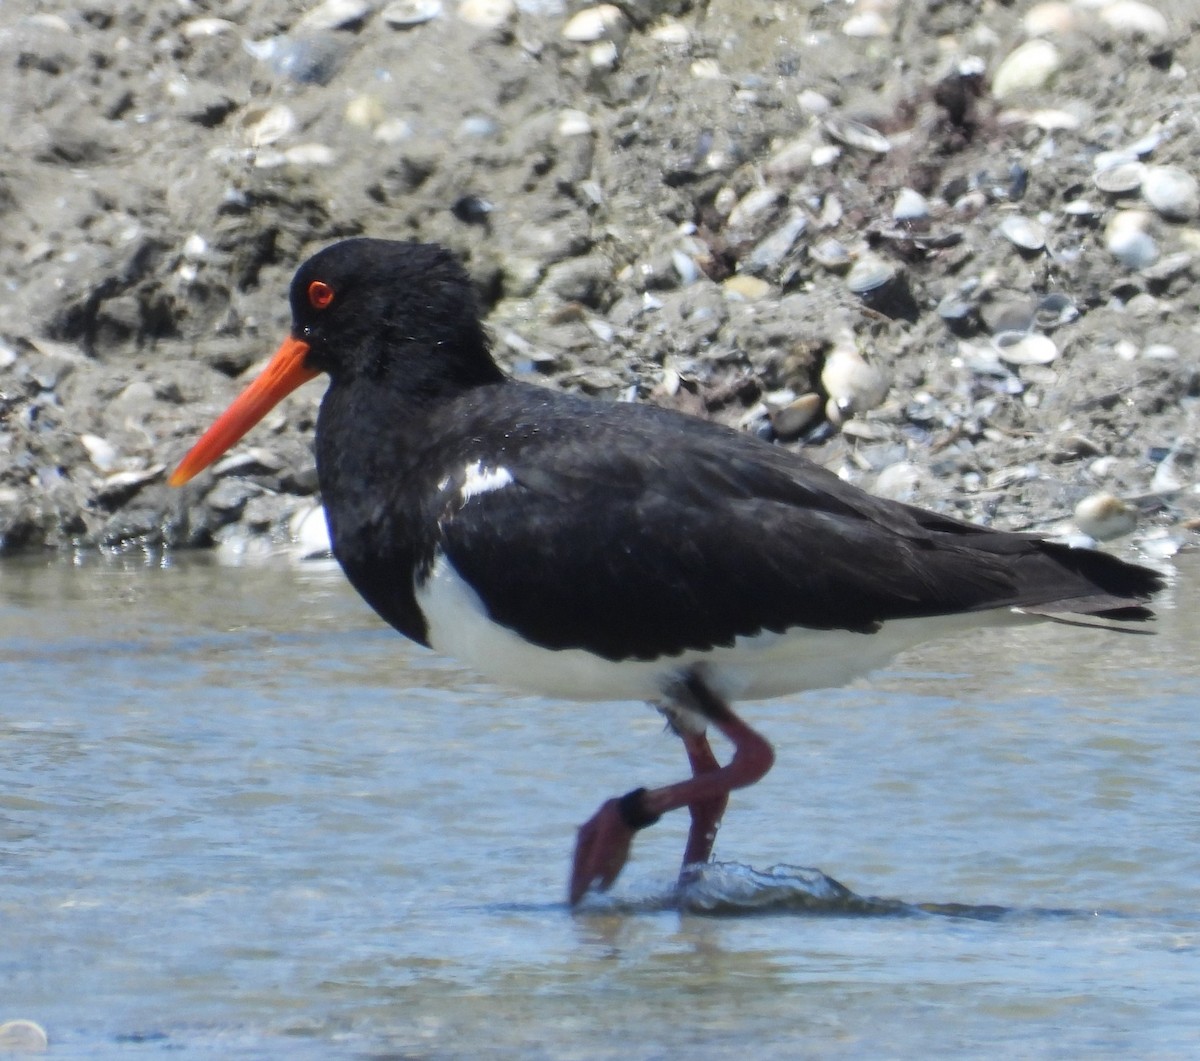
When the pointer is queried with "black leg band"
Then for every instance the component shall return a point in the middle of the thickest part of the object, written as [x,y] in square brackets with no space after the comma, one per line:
[631,807]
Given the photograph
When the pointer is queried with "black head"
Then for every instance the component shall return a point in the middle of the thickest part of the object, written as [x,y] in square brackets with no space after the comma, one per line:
[385,310]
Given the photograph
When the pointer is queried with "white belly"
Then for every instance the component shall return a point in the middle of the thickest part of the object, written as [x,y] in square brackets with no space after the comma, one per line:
[754,668]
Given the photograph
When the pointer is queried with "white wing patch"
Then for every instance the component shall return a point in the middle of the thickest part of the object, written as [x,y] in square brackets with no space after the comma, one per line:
[480,480]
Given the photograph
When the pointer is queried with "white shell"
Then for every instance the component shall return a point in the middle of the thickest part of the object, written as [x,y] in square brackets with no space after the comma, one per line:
[866,24]
[1018,348]
[365,112]
[206,27]
[910,205]
[744,288]
[266,125]
[574,123]
[23,1036]
[852,383]
[790,160]
[1053,16]
[830,253]
[1135,19]
[487,14]
[1127,240]
[1172,191]
[403,14]
[333,14]
[671,32]
[309,532]
[856,134]
[102,453]
[1028,67]
[310,155]
[602,22]
[1023,233]
[790,419]
[1123,178]
[870,274]
[1104,517]
[754,204]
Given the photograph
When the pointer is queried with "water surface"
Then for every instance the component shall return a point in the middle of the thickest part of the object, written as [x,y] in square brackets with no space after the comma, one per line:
[241,819]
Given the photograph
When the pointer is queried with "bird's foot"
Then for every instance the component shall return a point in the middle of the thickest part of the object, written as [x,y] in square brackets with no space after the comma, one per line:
[602,843]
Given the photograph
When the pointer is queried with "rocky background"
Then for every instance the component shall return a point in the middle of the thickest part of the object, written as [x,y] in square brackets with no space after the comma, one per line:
[946,248]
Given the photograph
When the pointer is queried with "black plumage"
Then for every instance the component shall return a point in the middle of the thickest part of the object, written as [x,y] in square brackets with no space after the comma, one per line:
[629,531]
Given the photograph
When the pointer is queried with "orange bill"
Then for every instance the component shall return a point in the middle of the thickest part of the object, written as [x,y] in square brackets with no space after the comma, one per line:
[283,374]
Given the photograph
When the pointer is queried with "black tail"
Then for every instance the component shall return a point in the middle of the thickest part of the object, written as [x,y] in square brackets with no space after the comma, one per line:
[1111,588]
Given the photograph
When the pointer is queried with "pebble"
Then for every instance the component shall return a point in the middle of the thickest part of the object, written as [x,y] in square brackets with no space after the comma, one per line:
[1172,191]
[1027,68]
[1168,267]
[1105,517]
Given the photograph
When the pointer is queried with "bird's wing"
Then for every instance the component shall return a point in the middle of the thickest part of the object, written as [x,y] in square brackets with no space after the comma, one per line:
[600,542]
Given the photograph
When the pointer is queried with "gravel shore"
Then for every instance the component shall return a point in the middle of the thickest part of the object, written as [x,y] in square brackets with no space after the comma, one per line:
[948,250]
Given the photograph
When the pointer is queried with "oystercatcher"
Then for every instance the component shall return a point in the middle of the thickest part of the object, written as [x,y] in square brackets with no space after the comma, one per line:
[595,550]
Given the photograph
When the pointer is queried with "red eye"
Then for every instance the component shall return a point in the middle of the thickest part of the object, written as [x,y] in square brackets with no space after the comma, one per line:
[320,294]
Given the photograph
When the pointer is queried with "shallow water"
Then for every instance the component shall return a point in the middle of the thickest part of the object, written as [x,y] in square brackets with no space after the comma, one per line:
[240,819]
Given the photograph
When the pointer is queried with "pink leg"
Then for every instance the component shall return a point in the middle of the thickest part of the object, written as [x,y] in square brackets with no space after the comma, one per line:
[706,814]
[602,845]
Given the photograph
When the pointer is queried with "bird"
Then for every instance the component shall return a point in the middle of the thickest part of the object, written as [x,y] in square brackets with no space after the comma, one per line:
[588,550]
